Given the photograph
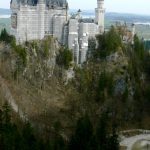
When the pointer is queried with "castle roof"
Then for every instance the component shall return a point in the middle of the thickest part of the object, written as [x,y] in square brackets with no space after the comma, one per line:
[87,20]
[51,3]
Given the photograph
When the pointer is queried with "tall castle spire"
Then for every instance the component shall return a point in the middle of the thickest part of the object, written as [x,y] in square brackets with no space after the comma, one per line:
[99,15]
[100,4]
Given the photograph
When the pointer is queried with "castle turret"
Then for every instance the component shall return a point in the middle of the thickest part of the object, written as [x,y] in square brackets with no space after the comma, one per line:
[99,15]
[41,18]
[79,13]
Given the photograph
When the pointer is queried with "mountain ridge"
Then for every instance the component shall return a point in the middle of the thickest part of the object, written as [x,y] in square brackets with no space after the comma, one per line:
[4,11]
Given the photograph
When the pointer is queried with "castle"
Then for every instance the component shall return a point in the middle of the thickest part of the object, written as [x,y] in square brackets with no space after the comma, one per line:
[35,19]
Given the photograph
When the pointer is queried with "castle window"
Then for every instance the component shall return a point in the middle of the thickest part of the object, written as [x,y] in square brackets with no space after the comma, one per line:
[14,20]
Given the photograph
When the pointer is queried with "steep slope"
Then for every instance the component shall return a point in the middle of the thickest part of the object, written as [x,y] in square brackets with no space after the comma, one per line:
[32,82]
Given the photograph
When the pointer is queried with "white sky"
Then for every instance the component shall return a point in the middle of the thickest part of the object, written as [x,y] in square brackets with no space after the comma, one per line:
[129,6]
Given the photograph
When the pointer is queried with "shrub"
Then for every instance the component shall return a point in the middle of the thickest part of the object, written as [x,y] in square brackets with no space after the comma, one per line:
[4,36]
[64,58]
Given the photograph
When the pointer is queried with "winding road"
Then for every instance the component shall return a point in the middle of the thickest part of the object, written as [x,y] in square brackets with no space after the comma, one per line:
[130,141]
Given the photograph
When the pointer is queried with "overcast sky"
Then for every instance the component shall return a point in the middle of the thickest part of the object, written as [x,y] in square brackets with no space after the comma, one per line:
[129,6]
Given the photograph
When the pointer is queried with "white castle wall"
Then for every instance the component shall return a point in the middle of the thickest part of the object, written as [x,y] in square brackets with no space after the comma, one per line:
[91,29]
[73,32]
[49,14]
[27,24]
[99,15]
[100,19]
[58,26]
[86,30]
[35,22]
[41,20]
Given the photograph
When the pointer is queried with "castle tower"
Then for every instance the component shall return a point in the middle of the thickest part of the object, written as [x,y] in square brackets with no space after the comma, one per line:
[41,18]
[79,13]
[99,15]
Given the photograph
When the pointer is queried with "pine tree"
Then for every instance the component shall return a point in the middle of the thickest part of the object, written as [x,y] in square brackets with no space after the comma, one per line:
[81,140]
[102,134]
[113,143]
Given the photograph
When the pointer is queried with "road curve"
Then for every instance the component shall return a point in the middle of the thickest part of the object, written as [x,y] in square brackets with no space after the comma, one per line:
[129,142]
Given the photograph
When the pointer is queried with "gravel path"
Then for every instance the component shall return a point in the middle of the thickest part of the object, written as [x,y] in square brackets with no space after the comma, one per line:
[129,142]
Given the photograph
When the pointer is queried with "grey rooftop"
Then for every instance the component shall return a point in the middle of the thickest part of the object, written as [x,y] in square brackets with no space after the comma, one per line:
[50,3]
[87,20]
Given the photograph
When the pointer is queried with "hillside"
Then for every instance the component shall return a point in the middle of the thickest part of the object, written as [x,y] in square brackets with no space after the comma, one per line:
[32,83]
[109,93]
[31,73]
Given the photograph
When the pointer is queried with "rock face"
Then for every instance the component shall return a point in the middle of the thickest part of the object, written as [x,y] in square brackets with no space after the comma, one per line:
[35,89]
[117,63]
